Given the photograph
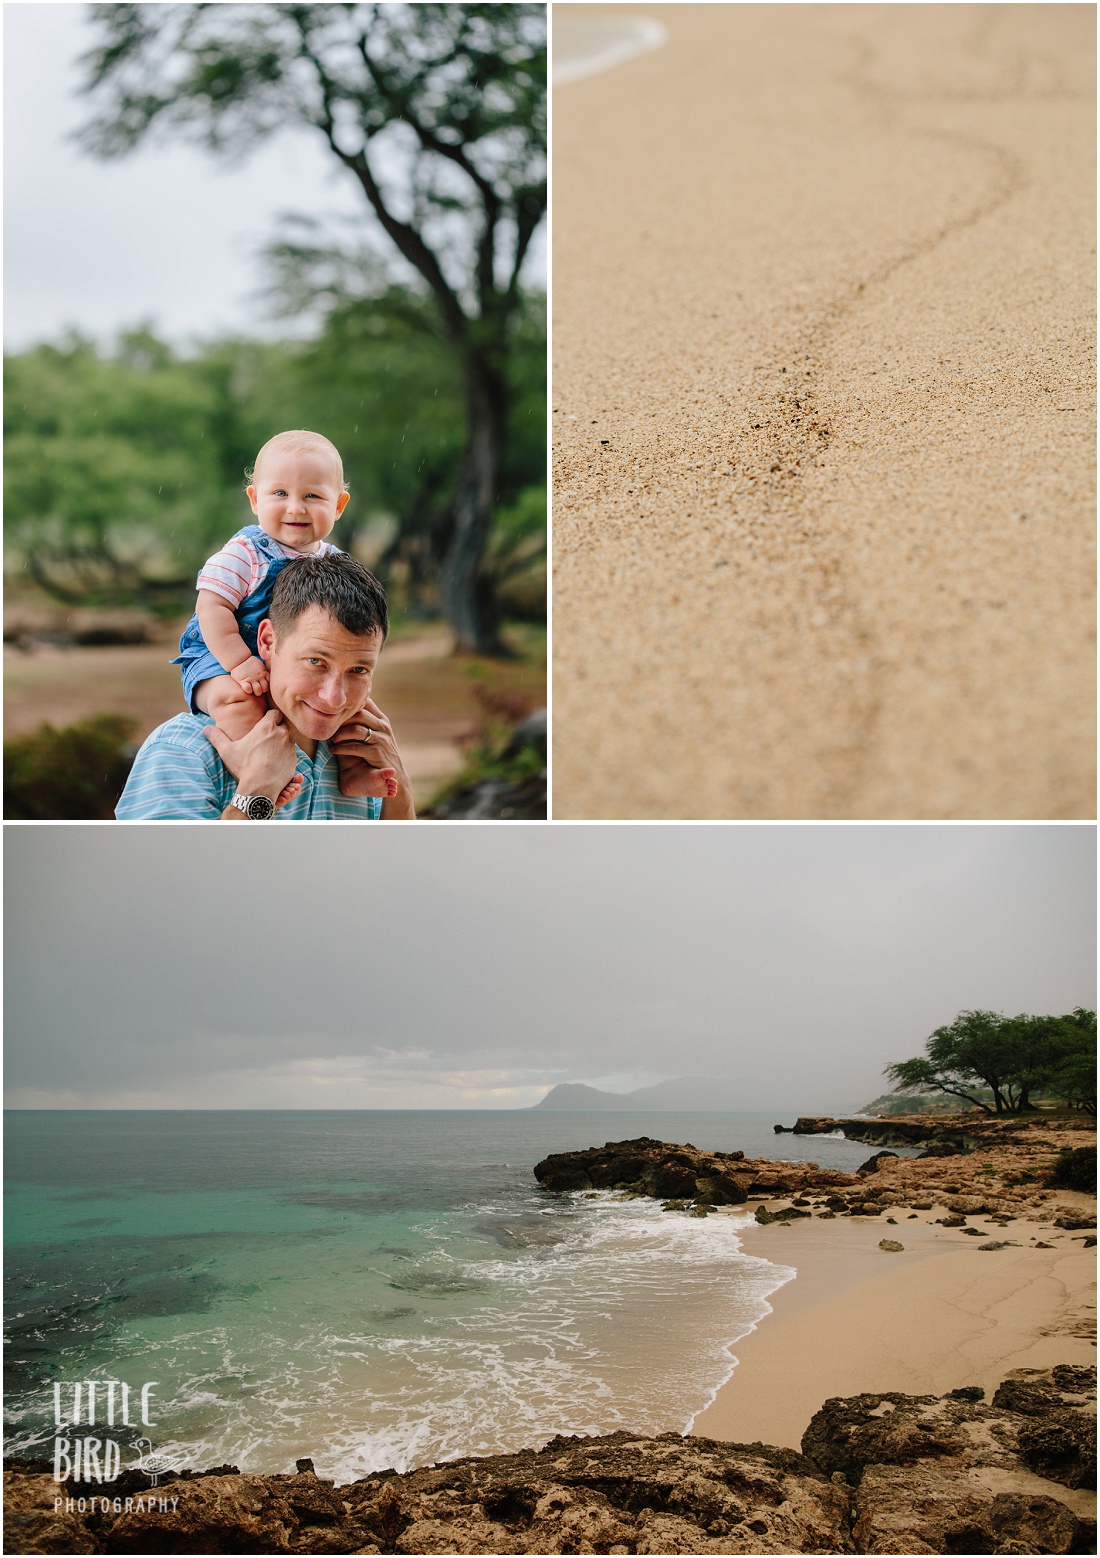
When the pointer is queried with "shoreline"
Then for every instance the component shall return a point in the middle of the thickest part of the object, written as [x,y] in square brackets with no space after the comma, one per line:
[939,1315]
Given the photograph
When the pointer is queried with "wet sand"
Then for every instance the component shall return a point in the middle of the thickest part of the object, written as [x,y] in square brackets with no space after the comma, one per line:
[941,1314]
[823,453]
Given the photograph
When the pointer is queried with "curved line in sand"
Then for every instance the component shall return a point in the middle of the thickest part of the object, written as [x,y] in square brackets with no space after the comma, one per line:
[618,42]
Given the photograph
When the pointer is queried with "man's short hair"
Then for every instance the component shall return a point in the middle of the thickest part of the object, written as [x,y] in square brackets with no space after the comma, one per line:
[338,584]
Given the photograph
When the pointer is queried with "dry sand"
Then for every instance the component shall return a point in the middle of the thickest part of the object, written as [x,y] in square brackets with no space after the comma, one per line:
[941,1314]
[823,298]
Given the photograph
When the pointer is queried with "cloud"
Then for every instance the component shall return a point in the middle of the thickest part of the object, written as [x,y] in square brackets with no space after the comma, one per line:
[478,966]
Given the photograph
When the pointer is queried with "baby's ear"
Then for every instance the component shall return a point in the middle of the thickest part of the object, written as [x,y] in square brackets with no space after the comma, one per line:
[252,497]
[341,503]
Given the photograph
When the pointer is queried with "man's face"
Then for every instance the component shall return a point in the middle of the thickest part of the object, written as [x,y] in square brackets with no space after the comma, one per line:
[320,673]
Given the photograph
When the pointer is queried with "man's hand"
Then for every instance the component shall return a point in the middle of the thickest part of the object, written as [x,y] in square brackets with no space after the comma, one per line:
[251,674]
[365,762]
[263,762]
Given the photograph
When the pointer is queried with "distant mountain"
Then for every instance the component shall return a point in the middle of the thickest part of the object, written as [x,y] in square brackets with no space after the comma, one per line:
[680,1095]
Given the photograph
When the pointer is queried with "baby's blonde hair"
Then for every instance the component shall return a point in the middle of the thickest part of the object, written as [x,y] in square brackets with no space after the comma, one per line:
[297,438]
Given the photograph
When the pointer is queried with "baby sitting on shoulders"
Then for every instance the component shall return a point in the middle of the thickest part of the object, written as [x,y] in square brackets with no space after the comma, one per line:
[297,493]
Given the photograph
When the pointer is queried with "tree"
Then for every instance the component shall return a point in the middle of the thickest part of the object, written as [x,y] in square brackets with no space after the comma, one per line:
[1011,1057]
[456,93]
[1072,1071]
[115,486]
[957,1057]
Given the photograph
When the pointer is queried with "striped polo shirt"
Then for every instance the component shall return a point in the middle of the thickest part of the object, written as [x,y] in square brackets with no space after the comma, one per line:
[178,775]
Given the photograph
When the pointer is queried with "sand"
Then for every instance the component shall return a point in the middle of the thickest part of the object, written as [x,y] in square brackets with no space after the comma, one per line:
[823,455]
[941,1314]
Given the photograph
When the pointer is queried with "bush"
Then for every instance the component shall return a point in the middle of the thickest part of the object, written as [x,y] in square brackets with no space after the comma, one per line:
[75,773]
[1075,1170]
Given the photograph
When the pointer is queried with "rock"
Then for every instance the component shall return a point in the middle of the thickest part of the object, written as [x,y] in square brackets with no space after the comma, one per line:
[951,1474]
[663,1495]
[494,799]
[874,1163]
[878,1474]
[1071,1220]
[891,1246]
[32,1525]
[895,1131]
[668,1171]
[939,1510]
[1000,1244]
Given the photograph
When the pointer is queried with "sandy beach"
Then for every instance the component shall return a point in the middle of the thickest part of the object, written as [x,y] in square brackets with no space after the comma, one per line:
[940,1314]
[823,300]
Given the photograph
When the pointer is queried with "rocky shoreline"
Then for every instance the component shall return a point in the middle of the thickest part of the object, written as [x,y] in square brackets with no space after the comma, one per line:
[1000,1169]
[877,1473]
[882,1473]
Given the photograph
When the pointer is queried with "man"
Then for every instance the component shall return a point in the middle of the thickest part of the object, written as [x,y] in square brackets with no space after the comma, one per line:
[317,752]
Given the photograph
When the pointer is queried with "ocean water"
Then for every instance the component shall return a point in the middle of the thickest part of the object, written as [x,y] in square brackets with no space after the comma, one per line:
[372,1289]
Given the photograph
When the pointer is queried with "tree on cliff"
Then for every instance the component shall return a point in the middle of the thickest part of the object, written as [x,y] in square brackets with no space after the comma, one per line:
[1013,1057]
[437,111]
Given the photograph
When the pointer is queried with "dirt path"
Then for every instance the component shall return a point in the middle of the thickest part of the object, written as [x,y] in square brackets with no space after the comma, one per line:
[428,694]
[823,431]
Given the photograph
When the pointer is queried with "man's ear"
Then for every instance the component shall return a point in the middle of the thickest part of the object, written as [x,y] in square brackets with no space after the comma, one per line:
[265,640]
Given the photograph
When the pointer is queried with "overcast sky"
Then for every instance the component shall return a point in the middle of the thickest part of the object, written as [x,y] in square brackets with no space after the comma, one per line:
[476,967]
[169,234]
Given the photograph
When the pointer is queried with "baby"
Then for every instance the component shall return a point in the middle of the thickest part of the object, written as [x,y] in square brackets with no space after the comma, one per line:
[297,494]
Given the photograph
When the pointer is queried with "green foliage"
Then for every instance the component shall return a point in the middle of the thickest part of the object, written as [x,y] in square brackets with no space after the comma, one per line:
[126,469]
[456,96]
[1014,1057]
[918,1103]
[1075,1170]
[114,481]
[76,772]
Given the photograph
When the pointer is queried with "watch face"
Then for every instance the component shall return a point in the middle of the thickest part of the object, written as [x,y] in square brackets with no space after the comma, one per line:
[260,809]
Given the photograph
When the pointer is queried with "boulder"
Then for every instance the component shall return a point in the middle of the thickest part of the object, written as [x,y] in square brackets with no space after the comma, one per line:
[617,1491]
[669,1171]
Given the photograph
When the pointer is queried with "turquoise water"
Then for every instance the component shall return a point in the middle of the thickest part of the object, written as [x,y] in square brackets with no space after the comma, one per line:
[370,1288]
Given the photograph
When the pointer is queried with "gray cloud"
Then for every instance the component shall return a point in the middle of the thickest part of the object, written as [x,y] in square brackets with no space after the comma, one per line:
[461,967]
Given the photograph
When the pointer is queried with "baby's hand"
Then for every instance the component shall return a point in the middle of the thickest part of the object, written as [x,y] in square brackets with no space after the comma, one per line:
[251,674]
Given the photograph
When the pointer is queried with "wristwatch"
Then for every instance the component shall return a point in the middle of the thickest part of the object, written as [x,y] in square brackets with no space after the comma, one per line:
[256,807]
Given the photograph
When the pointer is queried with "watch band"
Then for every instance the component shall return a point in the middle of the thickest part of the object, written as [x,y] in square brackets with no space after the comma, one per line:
[258,808]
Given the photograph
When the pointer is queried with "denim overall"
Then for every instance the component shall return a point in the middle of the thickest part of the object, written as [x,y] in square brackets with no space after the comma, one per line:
[196,660]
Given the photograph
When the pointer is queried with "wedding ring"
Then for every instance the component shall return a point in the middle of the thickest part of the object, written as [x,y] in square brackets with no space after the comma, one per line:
[369,735]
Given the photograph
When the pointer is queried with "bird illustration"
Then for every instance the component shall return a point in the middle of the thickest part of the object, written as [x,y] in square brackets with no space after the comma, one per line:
[153,1466]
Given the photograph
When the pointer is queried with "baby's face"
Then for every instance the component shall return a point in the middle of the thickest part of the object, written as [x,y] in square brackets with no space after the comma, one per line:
[297,497]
